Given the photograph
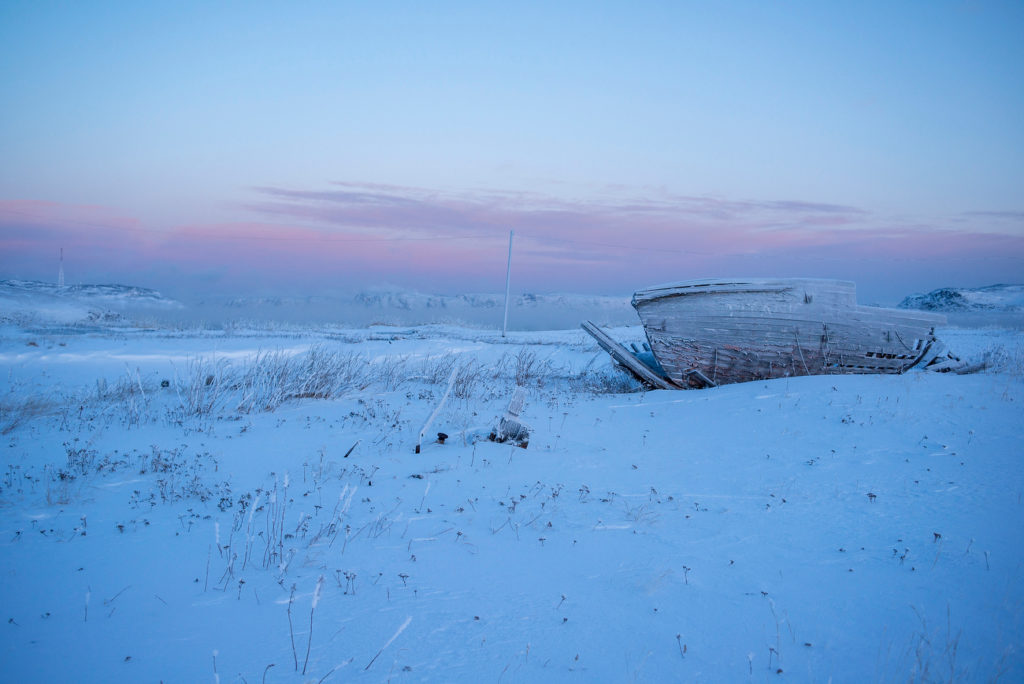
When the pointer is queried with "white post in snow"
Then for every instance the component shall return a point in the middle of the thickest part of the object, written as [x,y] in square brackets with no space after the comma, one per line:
[508,276]
[426,426]
[60,273]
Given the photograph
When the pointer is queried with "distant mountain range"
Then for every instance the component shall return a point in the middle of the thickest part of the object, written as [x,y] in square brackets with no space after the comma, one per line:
[994,298]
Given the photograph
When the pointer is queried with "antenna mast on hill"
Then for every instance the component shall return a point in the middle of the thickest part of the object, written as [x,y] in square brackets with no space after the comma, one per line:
[60,273]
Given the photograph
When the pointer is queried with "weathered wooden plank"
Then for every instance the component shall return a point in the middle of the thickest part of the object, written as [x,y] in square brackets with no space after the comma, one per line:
[626,359]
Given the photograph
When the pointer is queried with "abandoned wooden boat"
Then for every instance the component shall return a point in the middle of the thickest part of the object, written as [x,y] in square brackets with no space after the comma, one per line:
[710,332]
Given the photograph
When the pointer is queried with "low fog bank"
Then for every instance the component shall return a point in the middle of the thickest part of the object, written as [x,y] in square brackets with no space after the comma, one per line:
[1008,320]
[33,303]
[998,306]
[526,312]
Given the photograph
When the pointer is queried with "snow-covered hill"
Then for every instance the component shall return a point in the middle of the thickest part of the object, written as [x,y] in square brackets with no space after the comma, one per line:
[994,298]
[995,305]
[31,302]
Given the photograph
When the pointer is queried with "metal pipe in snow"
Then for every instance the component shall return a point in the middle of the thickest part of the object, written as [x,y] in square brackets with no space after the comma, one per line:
[508,280]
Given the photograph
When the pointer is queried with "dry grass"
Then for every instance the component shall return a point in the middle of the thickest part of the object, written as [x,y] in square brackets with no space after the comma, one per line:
[207,390]
[15,411]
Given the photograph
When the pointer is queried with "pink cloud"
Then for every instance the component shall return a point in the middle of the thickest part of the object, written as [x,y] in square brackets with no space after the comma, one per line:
[353,235]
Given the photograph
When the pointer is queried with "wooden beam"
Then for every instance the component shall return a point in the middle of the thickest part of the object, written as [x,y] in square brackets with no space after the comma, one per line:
[622,355]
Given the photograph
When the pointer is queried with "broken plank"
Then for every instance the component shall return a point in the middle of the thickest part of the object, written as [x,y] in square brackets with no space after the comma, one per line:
[626,359]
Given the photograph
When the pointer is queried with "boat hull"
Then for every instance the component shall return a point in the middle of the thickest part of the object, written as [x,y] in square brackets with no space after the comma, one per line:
[738,330]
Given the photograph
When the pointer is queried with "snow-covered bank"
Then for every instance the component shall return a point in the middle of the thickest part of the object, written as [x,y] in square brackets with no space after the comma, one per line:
[852,528]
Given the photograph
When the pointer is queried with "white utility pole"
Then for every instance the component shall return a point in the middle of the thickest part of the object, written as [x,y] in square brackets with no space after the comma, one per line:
[60,273]
[508,281]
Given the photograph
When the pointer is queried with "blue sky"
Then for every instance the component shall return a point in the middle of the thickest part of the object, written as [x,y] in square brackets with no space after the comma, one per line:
[831,139]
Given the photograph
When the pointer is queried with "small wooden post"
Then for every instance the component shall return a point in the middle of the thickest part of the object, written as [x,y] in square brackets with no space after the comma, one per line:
[508,281]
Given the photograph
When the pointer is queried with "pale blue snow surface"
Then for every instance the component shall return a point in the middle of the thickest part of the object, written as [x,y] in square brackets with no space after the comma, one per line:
[852,528]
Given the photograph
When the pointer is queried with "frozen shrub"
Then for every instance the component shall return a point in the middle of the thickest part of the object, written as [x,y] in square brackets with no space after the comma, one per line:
[606,381]
[275,377]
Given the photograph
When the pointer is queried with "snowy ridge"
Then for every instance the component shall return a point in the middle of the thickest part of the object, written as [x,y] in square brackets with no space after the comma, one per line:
[994,298]
[27,302]
[108,295]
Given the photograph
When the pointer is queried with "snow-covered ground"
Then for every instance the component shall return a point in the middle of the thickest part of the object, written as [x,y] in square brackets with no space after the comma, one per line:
[245,504]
